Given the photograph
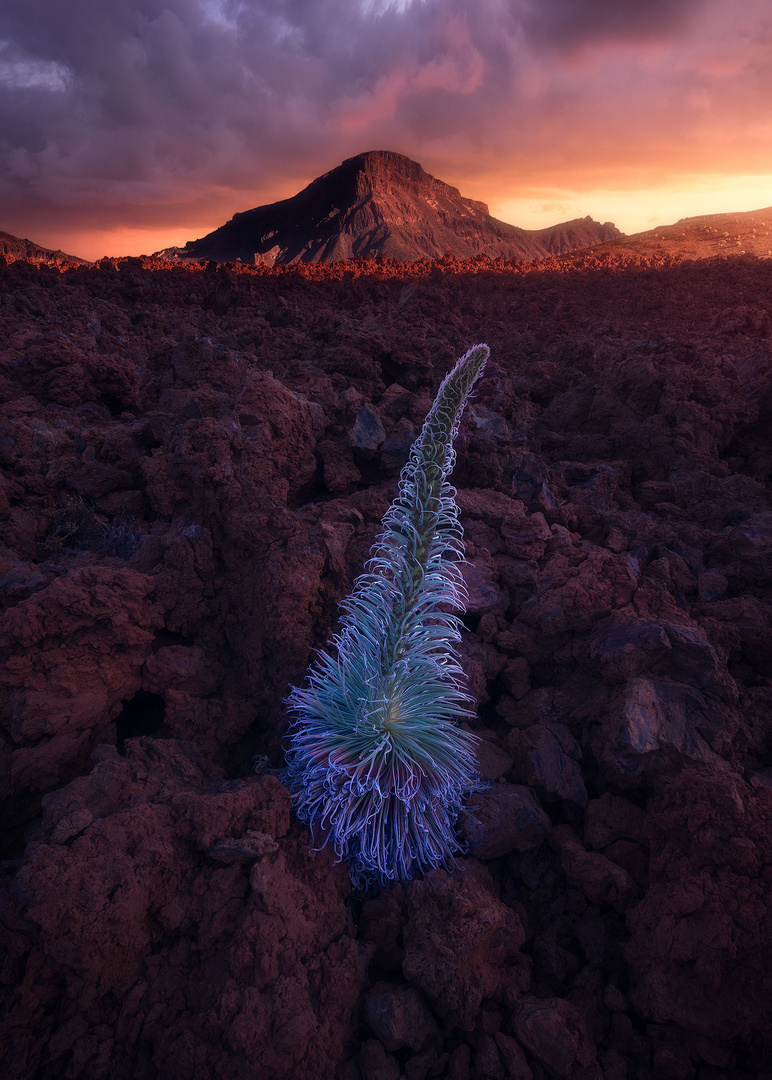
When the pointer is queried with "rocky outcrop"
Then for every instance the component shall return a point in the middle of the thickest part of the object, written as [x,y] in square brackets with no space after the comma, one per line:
[383,204]
[132,859]
[195,463]
[13,248]
[706,237]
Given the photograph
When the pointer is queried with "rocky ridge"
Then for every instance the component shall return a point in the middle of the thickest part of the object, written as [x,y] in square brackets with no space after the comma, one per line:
[380,203]
[13,248]
[195,462]
[704,237]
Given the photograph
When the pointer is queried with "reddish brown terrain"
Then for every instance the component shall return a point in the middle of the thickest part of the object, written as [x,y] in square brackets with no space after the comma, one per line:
[704,237]
[195,462]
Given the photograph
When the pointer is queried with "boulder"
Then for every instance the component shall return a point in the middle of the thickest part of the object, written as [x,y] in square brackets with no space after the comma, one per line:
[458,937]
[501,819]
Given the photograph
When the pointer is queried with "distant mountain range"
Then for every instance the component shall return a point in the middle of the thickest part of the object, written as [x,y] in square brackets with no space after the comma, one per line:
[381,203]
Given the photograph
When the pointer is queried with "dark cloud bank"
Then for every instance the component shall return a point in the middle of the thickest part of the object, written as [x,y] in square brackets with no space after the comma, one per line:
[147,112]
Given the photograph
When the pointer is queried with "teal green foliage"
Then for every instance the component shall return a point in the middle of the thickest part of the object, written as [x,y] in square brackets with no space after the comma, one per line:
[377,759]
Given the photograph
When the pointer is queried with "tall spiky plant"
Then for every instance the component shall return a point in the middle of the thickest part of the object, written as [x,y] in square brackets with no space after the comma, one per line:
[377,758]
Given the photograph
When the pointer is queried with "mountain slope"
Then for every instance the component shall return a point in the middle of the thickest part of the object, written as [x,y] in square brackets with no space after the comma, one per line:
[13,248]
[702,237]
[381,203]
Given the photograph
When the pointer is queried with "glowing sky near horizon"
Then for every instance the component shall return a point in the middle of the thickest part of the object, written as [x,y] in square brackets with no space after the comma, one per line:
[131,125]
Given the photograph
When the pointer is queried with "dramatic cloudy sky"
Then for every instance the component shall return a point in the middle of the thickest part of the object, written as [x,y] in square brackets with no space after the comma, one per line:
[128,125]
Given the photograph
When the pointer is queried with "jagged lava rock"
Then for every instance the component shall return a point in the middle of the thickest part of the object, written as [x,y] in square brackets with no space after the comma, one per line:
[261,970]
[458,937]
[501,819]
[700,947]
[183,505]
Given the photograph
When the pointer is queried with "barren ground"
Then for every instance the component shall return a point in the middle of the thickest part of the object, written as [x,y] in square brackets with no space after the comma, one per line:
[195,462]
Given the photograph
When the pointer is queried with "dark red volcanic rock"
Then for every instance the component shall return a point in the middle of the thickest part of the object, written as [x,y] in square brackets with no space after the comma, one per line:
[381,203]
[261,971]
[701,948]
[194,462]
[458,941]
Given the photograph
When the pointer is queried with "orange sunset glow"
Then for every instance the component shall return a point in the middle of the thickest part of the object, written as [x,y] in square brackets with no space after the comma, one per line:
[151,123]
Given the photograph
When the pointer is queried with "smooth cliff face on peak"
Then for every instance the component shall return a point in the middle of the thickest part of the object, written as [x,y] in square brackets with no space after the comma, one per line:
[381,203]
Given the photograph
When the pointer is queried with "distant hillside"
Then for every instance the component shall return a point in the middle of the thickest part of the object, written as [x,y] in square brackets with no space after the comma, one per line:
[381,203]
[703,237]
[13,248]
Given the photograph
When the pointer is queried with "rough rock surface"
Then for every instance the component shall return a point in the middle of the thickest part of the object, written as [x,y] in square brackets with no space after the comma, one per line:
[146,952]
[13,248]
[194,462]
[704,237]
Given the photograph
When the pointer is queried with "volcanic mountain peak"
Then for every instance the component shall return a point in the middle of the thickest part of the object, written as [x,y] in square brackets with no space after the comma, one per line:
[383,172]
[380,203]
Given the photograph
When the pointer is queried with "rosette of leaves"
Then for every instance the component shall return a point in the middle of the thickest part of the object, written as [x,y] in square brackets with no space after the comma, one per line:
[377,759]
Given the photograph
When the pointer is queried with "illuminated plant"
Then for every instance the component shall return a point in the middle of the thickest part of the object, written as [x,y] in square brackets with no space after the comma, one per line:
[377,759]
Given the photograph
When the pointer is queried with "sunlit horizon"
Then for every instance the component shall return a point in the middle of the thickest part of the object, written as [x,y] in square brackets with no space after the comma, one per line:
[630,211]
[172,118]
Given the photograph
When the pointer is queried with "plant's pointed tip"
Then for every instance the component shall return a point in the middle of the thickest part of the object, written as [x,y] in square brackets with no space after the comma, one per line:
[455,390]
[476,357]
[479,351]
[472,364]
